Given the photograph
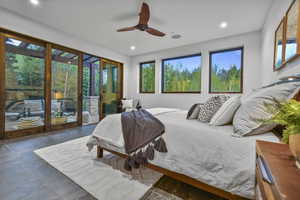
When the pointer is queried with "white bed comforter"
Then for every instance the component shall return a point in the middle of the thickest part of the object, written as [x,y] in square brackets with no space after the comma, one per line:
[208,154]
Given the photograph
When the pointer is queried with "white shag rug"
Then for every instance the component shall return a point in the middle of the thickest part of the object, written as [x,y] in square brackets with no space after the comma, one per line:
[103,178]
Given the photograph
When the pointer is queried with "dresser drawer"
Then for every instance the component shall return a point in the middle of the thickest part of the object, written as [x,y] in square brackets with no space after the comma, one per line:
[264,187]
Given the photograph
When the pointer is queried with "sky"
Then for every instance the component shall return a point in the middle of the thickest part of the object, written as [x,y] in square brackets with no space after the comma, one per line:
[224,60]
[189,63]
[291,50]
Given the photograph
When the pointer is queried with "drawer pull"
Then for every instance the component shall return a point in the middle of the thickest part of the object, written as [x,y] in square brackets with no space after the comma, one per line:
[263,167]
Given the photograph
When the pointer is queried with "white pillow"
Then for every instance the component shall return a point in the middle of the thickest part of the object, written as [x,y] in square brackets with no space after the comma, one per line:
[225,114]
[128,103]
[251,116]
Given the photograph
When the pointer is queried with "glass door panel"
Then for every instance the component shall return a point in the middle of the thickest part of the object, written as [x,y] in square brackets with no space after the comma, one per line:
[24,92]
[90,89]
[64,89]
[111,92]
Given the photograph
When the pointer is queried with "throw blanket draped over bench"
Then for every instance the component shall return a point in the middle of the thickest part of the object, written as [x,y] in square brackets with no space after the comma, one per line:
[142,136]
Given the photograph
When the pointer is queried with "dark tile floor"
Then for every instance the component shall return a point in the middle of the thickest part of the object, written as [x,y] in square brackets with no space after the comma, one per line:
[25,176]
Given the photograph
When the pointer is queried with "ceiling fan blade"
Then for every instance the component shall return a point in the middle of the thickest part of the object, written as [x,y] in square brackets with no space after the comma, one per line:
[144,14]
[126,29]
[155,32]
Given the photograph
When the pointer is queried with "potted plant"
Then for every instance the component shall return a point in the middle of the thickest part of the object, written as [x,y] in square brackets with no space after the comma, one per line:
[288,115]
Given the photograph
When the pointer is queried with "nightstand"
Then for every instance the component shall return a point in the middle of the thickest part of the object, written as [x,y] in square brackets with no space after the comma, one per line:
[277,177]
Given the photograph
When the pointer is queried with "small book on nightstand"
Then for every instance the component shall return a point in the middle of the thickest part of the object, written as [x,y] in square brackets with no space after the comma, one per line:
[277,176]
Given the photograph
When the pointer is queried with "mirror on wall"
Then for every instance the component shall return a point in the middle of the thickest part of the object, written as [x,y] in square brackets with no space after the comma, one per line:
[291,31]
[286,47]
[278,46]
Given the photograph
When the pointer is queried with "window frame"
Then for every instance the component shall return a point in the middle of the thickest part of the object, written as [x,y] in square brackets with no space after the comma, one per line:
[175,58]
[141,77]
[242,69]
[7,134]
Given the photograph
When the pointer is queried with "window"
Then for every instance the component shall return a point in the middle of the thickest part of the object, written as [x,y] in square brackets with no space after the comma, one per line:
[147,77]
[182,74]
[226,71]
[24,91]
[64,87]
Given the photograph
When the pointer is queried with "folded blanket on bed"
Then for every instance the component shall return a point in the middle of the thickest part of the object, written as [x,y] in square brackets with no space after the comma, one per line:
[142,135]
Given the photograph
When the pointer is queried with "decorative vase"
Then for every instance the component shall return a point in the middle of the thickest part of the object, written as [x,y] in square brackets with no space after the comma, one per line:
[294,143]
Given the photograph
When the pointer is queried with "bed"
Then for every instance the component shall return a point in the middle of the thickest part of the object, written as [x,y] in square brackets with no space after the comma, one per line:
[198,154]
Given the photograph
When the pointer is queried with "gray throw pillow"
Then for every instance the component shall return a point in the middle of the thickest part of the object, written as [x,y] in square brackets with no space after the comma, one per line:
[193,111]
[251,117]
[210,107]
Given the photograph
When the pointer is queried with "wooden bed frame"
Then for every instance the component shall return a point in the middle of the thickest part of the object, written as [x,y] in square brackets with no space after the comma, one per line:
[184,178]
[180,177]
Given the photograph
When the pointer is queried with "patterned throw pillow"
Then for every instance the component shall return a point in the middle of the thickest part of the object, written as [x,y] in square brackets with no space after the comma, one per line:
[210,107]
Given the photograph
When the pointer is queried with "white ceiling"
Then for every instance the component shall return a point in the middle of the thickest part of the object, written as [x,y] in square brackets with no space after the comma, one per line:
[97,20]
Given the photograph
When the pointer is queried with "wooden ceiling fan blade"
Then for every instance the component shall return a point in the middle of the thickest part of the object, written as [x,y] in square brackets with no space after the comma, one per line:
[144,14]
[155,32]
[127,29]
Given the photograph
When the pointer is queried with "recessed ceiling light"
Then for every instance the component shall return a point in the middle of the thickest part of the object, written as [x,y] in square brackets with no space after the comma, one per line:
[223,25]
[132,48]
[176,36]
[35,2]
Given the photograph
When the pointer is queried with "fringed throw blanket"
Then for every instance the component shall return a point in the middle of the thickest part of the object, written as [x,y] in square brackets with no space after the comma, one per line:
[142,136]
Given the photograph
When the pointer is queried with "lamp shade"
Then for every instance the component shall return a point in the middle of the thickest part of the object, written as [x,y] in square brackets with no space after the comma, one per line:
[58,95]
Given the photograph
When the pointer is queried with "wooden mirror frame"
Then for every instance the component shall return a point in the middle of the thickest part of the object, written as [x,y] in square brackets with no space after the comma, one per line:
[284,22]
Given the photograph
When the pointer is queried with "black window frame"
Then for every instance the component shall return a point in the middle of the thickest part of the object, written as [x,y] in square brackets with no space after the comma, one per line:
[242,69]
[175,58]
[141,77]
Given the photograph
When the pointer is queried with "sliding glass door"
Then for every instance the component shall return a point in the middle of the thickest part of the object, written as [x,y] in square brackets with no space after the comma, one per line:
[24,84]
[45,86]
[64,87]
[111,87]
[90,89]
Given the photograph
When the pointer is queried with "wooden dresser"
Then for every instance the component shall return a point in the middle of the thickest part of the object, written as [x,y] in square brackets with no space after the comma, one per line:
[277,177]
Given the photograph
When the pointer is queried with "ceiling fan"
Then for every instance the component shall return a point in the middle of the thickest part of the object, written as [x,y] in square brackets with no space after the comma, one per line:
[143,23]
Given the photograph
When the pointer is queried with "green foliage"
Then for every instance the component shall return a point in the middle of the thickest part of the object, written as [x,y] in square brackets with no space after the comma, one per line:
[181,80]
[288,115]
[24,71]
[64,79]
[225,80]
[148,78]
[86,81]
[24,77]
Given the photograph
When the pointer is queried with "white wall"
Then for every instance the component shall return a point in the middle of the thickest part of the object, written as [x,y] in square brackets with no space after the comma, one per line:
[276,13]
[22,25]
[252,69]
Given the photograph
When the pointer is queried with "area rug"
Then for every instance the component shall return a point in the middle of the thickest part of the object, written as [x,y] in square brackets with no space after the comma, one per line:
[103,178]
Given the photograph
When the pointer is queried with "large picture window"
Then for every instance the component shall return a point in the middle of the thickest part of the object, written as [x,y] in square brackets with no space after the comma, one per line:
[182,74]
[226,71]
[147,77]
